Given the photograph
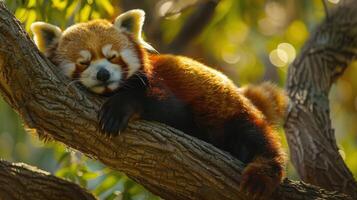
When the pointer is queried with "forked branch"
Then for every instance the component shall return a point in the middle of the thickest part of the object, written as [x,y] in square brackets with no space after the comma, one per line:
[311,138]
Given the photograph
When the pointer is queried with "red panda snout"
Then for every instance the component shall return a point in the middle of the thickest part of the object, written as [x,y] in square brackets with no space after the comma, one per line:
[101,76]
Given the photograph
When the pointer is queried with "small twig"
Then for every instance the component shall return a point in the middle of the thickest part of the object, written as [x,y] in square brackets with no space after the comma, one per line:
[193,27]
[326,10]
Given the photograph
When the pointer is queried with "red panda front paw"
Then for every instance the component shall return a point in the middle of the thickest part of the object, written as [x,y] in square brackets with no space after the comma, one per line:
[114,116]
[259,181]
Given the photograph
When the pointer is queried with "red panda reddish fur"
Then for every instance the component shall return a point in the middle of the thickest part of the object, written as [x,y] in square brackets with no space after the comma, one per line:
[269,99]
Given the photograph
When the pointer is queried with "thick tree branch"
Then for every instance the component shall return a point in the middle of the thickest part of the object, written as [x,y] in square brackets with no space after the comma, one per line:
[308,127]
[36,184]
[167,162]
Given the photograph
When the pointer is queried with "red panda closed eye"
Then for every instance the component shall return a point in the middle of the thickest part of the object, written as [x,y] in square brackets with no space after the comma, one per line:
[113,59]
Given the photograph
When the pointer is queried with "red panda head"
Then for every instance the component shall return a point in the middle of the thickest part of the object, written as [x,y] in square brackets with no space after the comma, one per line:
[98,54]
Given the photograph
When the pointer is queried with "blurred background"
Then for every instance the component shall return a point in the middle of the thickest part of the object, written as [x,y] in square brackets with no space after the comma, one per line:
[250,41]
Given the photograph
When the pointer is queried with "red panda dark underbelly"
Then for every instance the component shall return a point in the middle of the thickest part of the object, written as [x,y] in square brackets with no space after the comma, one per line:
[172,111]
[168,109]
[230,137]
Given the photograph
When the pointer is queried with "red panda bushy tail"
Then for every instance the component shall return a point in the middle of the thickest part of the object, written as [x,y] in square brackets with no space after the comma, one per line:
[269,99]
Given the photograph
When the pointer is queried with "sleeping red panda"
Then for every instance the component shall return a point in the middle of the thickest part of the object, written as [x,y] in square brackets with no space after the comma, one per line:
[113,60]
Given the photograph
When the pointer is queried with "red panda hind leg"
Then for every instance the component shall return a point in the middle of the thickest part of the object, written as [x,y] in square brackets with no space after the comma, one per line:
[260,149]
[261,177]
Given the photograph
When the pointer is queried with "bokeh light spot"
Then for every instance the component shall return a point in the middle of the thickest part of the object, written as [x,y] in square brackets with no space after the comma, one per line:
[275,58]
[289,50]
[230,58]
[165,7]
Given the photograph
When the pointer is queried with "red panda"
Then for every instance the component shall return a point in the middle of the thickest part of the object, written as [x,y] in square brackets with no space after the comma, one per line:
[112,59]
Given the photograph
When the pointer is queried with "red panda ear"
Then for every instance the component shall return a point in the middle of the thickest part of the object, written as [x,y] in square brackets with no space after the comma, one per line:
[132,21]
[45,35]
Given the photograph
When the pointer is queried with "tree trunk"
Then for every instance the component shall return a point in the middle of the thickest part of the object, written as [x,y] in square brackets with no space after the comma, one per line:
[19,181]
[167,162]
[311,139]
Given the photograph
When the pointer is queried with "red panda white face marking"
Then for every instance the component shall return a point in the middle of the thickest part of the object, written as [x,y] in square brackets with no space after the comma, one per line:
[130,57]
[68,68]
[86,56]
[99,54]
[108,52]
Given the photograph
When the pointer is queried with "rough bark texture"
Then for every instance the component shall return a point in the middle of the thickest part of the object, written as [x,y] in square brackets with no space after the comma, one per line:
[167,162]
[36,184]
[311,139]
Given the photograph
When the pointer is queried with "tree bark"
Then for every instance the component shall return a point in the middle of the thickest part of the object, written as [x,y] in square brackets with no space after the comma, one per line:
[311,139]
[167,162]
[36,184]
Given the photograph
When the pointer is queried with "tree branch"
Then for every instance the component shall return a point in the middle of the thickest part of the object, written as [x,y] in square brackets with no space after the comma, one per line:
[311,139]
[167,162]
[36,184]
[193,27]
